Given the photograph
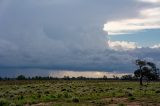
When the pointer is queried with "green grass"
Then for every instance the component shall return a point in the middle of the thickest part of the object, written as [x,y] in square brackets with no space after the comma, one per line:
[77,93]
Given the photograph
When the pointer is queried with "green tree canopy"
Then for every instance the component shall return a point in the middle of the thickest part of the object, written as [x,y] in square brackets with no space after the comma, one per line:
[147,70]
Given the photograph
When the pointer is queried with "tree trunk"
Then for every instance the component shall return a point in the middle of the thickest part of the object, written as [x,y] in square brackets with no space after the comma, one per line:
[141,76]
[141,81]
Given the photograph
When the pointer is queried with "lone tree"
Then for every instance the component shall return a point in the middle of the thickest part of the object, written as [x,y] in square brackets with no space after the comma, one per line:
[147,70]
[21,77]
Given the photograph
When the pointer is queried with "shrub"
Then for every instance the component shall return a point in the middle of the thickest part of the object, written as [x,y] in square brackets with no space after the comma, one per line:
[63,89]
[113,94]
[76,100]
[3,102]
[59,95]
[12,104]
[11,96]
[66,95]
[128,94]
[131,98]
[158,91]
[52,96]
[121,105]
[129,88]
[21,97]
[100,103]
[46,92]
[38,96]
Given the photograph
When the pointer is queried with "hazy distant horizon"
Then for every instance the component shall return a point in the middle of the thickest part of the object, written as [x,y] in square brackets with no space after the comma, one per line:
[60,73]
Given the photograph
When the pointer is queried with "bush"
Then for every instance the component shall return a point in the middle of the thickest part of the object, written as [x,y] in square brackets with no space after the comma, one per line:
[12,104]
[46,92]
[59,95]
[128,94]
[131,98]
[21,97]
[121,105]
[4,102]
[66,95]
[52,96]
[76,100]
[158,91]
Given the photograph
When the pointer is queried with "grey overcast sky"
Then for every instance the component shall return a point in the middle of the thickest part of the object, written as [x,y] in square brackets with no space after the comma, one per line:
[79,35]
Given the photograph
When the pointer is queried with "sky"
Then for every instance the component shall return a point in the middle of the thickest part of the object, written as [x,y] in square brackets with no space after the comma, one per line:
[39,36]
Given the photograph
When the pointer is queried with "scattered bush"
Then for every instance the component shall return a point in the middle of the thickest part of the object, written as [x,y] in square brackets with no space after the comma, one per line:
[59,95]
[20,93]
[121,104]
[158,91]
[76,100]
[12,104]
[129,88]
[3,102]
[46,92]
[131,98]
[21,97]
[38,96]
[128,94]
[63,90]
[66,95]
[52,96]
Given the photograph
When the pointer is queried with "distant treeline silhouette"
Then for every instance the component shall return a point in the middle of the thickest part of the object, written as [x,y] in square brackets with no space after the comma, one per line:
[22,77]
[146,71]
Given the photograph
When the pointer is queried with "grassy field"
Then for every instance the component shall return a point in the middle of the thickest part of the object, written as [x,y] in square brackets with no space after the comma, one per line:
[78,93]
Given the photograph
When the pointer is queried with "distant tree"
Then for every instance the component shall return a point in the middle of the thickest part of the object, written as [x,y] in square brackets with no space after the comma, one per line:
[115,77]
[21,77]
[66,78]
[81,78]
[146,69]
[105,77]
[73,78]
[29,78]
[6,78]
[127,77]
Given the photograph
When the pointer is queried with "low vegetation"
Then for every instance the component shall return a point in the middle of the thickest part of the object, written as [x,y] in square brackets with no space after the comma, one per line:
[141,89]
[77,93]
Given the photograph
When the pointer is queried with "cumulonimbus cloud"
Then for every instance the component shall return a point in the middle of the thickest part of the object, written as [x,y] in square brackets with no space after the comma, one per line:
[148,19]
[60,34]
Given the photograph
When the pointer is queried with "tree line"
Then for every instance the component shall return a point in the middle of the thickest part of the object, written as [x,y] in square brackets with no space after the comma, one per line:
[146,71]
[22,77]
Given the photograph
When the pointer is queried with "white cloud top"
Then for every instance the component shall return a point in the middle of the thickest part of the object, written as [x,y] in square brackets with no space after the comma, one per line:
[148,19]
[122,45]
[156,46]
[151,1]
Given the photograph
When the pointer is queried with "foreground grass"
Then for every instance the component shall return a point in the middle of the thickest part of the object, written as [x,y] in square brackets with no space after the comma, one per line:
[78,93]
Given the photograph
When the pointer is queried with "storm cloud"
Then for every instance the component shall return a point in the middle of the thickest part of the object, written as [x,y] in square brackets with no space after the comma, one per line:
[66,35]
